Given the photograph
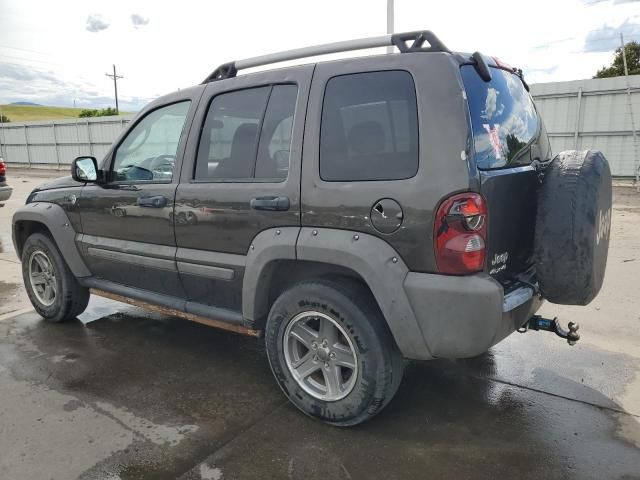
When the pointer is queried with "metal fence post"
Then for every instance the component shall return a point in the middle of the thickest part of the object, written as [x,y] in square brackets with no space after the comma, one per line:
[2,143]
[89,138]
[577,129]
[26,144]
[55,141]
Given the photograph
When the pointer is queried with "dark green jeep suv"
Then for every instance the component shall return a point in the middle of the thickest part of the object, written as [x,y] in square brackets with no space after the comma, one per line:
[355,213]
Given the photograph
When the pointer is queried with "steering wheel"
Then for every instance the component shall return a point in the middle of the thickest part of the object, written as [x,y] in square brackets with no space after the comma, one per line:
[162,165]
[163,160]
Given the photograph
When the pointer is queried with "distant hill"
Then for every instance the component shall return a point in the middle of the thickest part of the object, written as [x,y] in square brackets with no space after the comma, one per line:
[28,113]
[26,103]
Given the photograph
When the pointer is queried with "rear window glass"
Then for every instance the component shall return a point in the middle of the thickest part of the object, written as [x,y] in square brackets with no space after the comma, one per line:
[369,127]
[503,118]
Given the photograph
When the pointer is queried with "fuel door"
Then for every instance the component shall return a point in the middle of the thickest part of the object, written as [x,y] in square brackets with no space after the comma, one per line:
[386,215]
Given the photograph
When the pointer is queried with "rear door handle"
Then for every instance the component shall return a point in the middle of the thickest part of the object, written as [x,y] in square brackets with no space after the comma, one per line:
[279,204]
[157,201]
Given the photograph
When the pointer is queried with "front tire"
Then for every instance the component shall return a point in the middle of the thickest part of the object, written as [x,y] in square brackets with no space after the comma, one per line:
[53,290]
[331,352]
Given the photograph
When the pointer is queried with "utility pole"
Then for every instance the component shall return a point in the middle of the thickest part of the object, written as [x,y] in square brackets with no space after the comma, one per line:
[390,22]
[633,123]
[115,86]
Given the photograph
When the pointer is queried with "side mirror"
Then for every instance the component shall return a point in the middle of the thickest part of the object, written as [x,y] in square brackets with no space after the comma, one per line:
[84,169]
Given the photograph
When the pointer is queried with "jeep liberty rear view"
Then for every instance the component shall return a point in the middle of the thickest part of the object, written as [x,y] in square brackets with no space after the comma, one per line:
[353,213]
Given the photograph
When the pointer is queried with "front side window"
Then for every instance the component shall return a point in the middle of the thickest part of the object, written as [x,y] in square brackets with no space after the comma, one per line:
[503,118]
[148,152]
[247,135]
[369,127]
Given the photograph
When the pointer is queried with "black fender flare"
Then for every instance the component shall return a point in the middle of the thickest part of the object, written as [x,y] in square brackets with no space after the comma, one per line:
[267,248]
[55,219]
[373,259]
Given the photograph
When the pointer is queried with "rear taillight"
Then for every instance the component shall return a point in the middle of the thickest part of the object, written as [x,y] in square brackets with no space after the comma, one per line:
[3,169]
[460,234]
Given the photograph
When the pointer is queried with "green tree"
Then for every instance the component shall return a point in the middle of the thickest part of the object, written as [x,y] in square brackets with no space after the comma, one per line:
[514,145]
[94,112]
[107,112]
[87,112]
[4,119]
[632,49]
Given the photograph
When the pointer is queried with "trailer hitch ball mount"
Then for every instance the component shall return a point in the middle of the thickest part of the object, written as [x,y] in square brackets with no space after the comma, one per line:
[538,323]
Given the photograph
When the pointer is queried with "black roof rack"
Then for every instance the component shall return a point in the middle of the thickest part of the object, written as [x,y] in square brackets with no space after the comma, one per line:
[400,40]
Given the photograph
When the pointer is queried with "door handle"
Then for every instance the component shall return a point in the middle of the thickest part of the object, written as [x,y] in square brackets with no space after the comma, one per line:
[280,204]
[157,201]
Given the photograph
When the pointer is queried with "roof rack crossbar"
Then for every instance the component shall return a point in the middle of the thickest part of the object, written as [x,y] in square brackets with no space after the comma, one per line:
[229,70]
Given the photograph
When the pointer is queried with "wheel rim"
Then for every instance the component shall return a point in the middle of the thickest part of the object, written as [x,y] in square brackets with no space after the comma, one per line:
[42,277]
[320,356]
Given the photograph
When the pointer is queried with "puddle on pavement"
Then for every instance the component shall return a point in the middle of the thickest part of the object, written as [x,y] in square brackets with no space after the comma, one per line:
[187,390]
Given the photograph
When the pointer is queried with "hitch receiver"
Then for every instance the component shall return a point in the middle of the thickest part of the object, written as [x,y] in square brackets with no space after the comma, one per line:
[538,323]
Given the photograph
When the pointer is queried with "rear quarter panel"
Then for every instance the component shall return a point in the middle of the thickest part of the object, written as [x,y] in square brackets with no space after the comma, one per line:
[443,153]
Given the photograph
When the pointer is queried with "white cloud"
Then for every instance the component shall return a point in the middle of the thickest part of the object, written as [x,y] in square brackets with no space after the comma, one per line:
[490,103]
[139,20]
[179,48]
[95,23]
[607,38]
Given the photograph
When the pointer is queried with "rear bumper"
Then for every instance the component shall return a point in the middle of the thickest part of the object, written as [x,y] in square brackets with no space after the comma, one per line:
[5,192]
[464,316]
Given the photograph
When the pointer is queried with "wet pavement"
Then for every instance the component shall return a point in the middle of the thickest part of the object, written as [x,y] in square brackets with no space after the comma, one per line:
[126,394]
[135,395]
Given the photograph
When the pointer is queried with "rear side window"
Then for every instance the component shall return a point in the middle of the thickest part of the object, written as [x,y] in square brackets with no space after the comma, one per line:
[274,149]
[503,118]
[247,135]
[369,127]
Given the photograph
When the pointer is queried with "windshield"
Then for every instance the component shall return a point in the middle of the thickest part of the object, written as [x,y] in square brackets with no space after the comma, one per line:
[503,118]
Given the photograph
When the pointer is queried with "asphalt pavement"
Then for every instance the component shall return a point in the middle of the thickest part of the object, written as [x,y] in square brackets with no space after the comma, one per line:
[126,394]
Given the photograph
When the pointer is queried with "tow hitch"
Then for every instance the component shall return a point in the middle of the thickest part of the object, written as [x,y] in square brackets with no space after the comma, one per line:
[538,323]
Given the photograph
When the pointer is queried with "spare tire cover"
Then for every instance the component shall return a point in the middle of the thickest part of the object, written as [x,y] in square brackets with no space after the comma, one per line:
[573,224]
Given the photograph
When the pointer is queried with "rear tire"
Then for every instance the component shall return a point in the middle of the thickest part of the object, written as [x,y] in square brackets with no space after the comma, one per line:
[53,290]
[345,313]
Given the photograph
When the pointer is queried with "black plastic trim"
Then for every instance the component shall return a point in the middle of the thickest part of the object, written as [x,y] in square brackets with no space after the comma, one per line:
[226,70]
[418,37]
[481,66]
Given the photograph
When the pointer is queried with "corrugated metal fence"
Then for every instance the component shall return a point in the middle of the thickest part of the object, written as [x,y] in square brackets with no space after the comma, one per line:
[51,143]
[593,114]
[579,114]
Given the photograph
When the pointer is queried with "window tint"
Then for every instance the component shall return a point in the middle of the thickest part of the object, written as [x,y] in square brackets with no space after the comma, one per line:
[275,138]
[229,139]
[148,152]
[503,118]
[369,128]
[240,126]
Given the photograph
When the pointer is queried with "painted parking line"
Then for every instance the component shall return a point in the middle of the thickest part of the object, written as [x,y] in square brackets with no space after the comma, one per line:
[15,313]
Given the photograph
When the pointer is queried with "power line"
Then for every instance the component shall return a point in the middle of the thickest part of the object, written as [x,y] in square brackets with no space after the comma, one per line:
[115,78]
[34,60]
[24,50]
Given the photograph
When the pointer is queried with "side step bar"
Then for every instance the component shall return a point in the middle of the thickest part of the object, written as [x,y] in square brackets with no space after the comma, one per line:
[178,313]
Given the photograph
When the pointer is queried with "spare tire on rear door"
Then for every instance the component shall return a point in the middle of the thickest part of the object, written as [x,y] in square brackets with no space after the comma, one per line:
[572,227]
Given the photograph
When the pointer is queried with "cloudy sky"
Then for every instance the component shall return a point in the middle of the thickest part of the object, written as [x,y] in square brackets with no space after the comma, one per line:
[57,52]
